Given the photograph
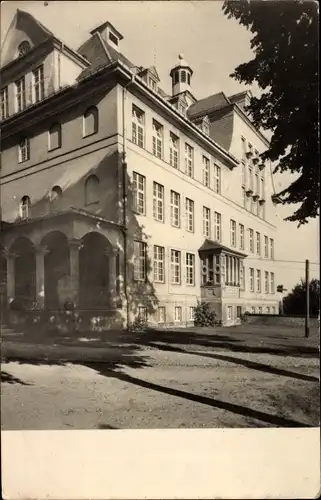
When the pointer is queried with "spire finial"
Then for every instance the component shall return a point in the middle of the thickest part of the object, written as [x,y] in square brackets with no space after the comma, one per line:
[181,56]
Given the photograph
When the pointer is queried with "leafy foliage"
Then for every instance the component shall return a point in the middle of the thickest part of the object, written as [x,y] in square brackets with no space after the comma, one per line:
[295,302]
[203,315]
[139,324]
[285,66]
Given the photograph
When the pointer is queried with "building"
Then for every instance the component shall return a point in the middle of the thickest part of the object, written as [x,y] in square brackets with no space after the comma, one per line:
[122,198]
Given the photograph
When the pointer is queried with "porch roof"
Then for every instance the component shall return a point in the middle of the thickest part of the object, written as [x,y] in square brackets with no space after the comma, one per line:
[216,247]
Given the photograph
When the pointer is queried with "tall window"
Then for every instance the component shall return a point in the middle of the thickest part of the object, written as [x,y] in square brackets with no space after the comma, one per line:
[138,126]
[189,209]
[25,207]
[243,174]
[262,188]
[24,150]
[233,232]
[217,179]
[271,249]
[176,267]
[139,195]
[258,243]
[90,121]
[158,202]
[257,185]
[266,282]
[258,281]
[20,86]
[191,313]
[54,137]
[251,242]
[56,194]
[189,160]
[140,261]
[161,314]
[92,190]
[178,314]
[190,269]
[272,283]
[211,270]
[206,222]
[217,226]
[4,103]
[173,150]
[159,264]
[250,178]
[251,279]
[241,231]
[175,209]
[266,247]
[243,149]
[206,171]
[157,139]
[38,84]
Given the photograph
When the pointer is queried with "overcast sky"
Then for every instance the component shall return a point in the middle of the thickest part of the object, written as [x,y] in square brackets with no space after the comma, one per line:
[155,33]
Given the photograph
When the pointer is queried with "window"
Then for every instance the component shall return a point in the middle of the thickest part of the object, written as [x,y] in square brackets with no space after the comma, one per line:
[252,310]
[262,188]
[142,313]
[190,269]
[24,207]
[206,171]
[266,282]
[4,103]
[206,222]
[113,38]
[273,310]
[218,223]
[266,247]
[173,150]
[241,231]
[192,313]
[233,232]
[56,194]
[92,190]
[90,121]
[189,209]
[20,87]
[54,137]
[250,148]
[183,76]
[207,270]
[229,313]
[139,187]
[176,266]
[38,84]
[267,310]
[157,139]
[251,242]
[258,281]
[152,83]
[189,167]
[159,264]
[175,209]
[23,48]
[205,127]
[258,243]
[251,279]
[271,249]
[243,174]
[178,314]
[140,261]
[161,314]
[244,197]
[272,283]
[243,149]
[250,179]
[260,309]
[138,126]
[217,179]
[257,185]
[24,150]
[238,312]
[158,202]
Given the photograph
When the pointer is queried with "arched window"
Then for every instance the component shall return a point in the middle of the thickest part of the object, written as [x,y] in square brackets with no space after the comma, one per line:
[23,48]
[183,76]
[54,137]
[56,194]
[90,121]
[92,190]
[24,207]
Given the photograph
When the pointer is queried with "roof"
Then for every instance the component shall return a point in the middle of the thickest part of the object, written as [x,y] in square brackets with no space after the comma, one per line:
[209,103]
[215,245]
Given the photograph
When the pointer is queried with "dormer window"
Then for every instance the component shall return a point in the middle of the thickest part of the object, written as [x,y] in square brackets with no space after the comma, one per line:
[205,126]
[23,48]
[113,38]
[152,84]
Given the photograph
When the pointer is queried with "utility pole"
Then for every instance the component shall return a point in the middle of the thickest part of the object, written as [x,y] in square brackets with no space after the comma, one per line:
[307,313]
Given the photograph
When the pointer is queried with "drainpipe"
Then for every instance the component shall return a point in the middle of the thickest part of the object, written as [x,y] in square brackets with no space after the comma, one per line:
[124,199]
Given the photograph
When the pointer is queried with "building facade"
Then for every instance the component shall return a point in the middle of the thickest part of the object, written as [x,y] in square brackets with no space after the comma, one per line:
[122,198]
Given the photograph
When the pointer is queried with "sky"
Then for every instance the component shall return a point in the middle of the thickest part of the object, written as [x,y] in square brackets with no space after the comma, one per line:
[154,34]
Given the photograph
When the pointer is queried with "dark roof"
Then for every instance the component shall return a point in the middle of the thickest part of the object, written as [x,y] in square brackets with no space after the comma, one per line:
[215,245]
[212,102]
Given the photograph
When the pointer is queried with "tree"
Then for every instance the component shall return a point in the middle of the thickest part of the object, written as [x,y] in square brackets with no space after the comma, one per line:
[285,67]
[295,302]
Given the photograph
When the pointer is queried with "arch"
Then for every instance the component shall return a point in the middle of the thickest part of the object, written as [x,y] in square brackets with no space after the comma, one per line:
[23,48]
[94,284]
[55,194]
[54,137]
[90,121]
[91,190]
[24,207]
[56,269]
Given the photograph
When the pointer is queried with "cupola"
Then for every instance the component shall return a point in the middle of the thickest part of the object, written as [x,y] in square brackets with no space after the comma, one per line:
[109,33]
[181,76]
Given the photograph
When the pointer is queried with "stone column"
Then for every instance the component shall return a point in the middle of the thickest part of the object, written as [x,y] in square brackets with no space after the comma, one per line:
[112,256]
[41,251]
[74,247]
[10,275]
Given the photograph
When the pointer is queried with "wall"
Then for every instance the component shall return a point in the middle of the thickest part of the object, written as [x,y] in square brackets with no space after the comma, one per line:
[291,321]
